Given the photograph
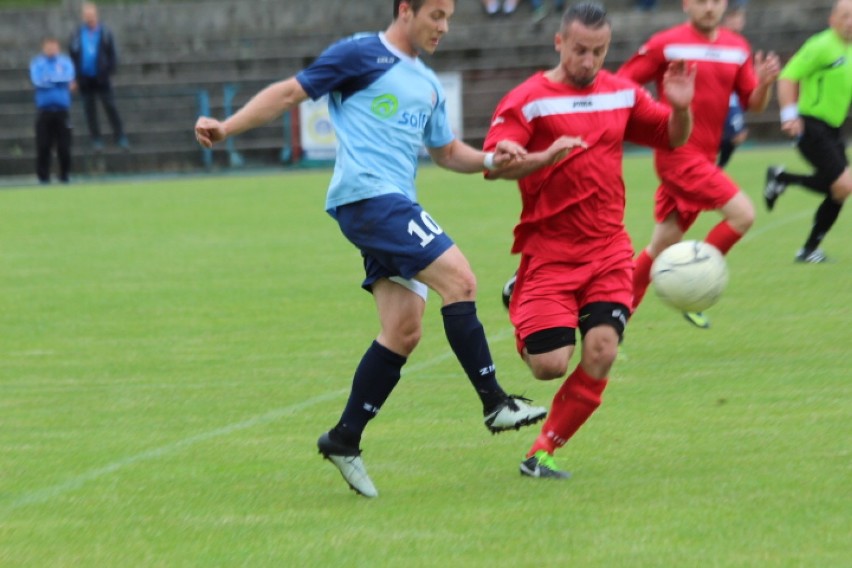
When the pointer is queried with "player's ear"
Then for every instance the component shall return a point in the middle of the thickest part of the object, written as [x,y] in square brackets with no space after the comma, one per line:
[557,42]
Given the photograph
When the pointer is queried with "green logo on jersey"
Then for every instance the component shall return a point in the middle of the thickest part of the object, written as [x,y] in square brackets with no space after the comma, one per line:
[385,106]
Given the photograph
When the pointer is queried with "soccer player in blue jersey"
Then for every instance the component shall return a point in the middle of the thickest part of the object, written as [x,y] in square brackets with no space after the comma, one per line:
[385,104]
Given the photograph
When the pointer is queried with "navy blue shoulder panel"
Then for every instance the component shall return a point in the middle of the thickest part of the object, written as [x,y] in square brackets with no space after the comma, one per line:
[347,66]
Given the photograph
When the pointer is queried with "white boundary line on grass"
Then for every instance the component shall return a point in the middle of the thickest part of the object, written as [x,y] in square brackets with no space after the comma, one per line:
[754,233]
[49,493]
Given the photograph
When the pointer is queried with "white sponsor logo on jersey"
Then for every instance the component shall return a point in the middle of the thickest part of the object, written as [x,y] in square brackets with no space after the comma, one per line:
[583,104]
[698,52]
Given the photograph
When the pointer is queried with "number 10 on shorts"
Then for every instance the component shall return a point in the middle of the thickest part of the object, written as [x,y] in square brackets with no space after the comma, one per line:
[425,230]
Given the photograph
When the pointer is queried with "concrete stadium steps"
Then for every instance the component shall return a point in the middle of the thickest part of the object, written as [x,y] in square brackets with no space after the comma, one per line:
[166,158]
[163,68]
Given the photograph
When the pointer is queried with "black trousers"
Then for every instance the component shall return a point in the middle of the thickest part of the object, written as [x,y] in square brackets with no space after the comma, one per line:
[91,91]
[53,129]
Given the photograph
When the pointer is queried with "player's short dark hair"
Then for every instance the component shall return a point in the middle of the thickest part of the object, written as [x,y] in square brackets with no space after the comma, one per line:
[415,5]
[591,14]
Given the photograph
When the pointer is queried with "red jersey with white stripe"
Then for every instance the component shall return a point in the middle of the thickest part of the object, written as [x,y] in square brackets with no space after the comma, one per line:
[724,67]
[574,211]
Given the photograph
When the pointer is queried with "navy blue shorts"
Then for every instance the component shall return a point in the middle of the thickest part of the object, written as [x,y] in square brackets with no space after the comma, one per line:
[396,237]
[734,123]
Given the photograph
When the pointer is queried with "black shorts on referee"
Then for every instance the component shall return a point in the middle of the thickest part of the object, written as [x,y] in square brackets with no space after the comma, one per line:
[824,147]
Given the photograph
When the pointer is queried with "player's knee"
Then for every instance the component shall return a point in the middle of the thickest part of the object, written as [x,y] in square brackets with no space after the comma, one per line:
[461,288]
[467,285]
[409,339]
[548,352]
[602,329]
[745,224]
[742,220]
[401,339]
[548,368]
[842,188]
[600,347]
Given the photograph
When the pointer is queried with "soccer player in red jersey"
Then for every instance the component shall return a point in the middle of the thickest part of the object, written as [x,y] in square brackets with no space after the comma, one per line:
[576,266]
[690,180]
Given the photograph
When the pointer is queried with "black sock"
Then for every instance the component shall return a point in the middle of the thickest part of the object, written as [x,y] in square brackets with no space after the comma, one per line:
[376,376]
[812,182]
[467,338]
[825,217]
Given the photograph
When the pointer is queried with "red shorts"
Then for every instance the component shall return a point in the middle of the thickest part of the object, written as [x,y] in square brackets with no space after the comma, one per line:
[691,184]
[550,294]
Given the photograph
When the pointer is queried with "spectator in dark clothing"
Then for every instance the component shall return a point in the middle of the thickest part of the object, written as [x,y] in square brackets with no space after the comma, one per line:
[52,75]
[92,47]
[735,132]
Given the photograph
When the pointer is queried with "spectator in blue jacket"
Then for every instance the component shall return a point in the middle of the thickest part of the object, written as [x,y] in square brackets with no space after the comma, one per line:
[52,75]
[92,47]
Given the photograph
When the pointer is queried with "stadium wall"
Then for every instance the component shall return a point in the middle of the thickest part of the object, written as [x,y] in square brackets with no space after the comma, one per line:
[177,54]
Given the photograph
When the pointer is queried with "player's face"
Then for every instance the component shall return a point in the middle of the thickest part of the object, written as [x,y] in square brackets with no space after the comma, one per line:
[705,15]
[50,48]
[841,19]
[90,15]
[582,52]
[735,21]
[429,24]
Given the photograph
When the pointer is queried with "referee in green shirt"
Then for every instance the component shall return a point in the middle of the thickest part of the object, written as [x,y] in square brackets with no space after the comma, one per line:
[815,92]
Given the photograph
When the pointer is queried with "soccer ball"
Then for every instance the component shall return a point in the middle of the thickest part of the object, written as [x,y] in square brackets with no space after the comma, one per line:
[690,275]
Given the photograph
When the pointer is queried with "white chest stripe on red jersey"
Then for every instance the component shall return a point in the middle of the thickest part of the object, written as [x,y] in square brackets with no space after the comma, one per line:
[577,105]
[698,52]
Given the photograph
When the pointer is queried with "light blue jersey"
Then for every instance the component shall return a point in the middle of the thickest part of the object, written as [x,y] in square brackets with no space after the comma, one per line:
[385,105]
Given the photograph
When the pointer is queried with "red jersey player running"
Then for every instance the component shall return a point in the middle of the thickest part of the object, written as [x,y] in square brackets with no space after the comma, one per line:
[690,180]
[576,267]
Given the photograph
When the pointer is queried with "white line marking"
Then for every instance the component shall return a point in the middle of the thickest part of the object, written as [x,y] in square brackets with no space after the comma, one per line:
[49,493]
[754,233]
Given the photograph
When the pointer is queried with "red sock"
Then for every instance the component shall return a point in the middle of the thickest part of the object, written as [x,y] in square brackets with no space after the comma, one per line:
[577,398]
[723,237]
[641,277]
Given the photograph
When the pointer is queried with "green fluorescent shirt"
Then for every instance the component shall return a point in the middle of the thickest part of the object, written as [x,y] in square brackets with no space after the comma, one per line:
[823,69]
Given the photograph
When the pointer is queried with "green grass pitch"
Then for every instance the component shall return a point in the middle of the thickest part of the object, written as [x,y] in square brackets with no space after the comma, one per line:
[171,349]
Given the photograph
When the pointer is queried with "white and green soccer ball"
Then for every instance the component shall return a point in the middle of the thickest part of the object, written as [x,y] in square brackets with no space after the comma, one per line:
[690,276]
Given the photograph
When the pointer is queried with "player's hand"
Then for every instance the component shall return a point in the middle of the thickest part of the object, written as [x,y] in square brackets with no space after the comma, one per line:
[208,131]
[793,128]
[679,84]
[563,145]
[767,67]
[507,152]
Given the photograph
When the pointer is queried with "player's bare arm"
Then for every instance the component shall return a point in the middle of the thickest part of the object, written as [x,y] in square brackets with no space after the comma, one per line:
[679,88]
[767,67]
[265,106]
[788,97]
[533,161]
[459,157]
